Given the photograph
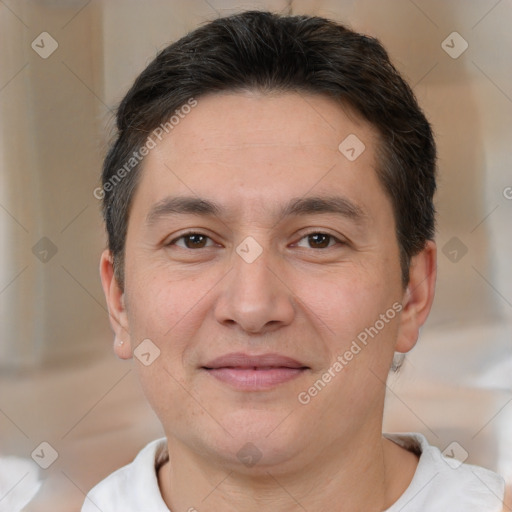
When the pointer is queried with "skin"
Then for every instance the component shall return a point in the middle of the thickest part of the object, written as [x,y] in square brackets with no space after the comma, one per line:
[251,153]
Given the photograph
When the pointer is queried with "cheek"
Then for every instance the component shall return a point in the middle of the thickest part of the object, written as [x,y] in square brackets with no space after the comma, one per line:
[170,312]
[345,302]
[160,302]
[166,312]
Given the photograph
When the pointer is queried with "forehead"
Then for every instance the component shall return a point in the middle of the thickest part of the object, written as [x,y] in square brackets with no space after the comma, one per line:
[231,120]
[263,147]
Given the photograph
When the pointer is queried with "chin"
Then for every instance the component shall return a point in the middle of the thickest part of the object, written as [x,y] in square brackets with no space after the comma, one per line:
[260,440]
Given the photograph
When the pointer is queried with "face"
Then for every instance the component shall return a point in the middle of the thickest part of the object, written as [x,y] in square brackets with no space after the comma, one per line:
[262,264]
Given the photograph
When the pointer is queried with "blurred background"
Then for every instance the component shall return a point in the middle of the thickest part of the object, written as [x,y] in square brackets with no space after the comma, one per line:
[64,66]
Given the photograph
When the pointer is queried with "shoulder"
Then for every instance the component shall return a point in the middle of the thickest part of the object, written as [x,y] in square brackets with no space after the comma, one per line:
[441,482]
[130,486]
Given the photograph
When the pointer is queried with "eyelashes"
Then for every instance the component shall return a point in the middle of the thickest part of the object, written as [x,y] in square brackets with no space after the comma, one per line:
[194,240]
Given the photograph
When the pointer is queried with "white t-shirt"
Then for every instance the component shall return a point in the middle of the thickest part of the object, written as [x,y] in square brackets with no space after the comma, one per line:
[440,484]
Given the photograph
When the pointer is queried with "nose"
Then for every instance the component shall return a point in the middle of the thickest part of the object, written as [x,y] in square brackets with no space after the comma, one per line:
[254,297]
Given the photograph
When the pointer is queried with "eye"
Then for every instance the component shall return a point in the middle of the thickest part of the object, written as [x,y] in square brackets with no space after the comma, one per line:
[192,241]
[318,241]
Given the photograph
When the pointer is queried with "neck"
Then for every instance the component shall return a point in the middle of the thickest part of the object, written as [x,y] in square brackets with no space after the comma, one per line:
[368,475]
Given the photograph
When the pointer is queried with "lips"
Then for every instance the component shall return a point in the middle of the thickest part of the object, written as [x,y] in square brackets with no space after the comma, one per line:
[264,361]
[249,372]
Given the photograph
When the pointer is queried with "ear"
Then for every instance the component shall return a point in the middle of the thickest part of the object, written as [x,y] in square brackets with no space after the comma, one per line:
[116,306]
[418,297]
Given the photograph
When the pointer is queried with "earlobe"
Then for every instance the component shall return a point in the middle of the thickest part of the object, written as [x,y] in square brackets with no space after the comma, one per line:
[122,349]
[116,306]
[418,297]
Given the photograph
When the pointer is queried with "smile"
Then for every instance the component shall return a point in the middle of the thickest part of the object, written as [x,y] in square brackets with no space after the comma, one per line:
[254,373]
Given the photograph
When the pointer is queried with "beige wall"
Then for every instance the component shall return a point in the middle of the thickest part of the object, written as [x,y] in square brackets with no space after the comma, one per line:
[50,312]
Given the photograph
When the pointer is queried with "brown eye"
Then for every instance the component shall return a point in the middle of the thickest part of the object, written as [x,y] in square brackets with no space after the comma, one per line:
[195,241]
[192,241]
[317,241]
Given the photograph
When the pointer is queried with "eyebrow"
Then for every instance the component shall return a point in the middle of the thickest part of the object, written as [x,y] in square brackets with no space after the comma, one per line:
[176,205]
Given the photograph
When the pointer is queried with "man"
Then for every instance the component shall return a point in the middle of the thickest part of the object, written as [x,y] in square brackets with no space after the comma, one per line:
[268,202]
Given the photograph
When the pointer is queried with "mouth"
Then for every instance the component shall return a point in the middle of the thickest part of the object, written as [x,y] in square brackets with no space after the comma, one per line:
[254,373]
